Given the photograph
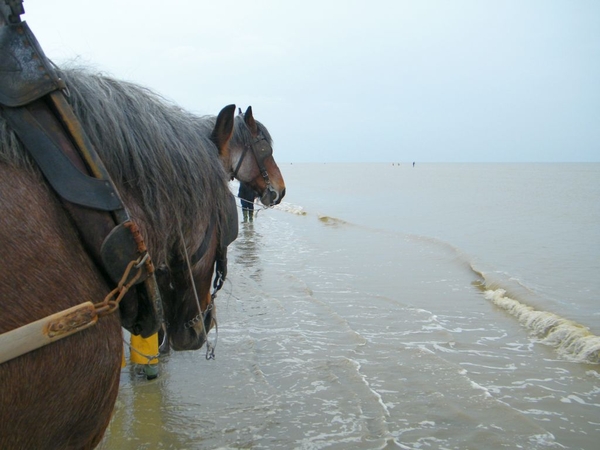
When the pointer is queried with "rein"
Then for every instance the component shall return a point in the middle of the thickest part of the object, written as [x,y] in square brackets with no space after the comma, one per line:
[226,234]
[210,348]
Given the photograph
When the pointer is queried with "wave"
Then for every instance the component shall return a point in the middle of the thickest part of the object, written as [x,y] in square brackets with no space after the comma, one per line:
[299,211]
[572,340]
[332,221]
[290,208]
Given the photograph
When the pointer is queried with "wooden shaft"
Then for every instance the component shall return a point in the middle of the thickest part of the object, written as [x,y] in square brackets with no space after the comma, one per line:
[45,331]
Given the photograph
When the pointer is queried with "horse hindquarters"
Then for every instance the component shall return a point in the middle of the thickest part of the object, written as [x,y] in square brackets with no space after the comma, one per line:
[62,395]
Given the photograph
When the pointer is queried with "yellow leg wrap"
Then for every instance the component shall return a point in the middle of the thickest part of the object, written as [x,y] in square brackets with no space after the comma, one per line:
[146,346]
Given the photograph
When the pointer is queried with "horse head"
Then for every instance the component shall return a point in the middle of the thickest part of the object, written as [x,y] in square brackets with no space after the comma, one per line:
[185,282]
[250,159]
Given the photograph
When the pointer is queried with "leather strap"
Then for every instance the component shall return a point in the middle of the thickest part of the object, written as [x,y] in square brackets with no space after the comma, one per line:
[25,72]
[61,173]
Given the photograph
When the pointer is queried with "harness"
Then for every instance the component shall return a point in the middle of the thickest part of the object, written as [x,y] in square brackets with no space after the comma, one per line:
[228,233]
[33,101]
[260,154]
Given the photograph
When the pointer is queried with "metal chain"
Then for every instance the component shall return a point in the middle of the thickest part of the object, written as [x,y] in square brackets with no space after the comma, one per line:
[114,297]
[148,357]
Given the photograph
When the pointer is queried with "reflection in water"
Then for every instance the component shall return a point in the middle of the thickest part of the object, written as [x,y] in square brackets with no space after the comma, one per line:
[177,410]
[247,247]
[139,420]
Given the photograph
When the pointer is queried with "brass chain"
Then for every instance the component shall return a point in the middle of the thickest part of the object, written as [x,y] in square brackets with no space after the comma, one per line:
[114,297]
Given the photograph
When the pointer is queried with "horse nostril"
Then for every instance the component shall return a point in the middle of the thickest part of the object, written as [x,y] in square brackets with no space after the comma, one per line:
[277,196]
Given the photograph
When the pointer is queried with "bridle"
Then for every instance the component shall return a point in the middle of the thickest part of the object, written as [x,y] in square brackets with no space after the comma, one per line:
[260,155]
[225,236]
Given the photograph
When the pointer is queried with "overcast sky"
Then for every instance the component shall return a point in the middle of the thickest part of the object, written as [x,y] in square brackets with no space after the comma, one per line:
[371,80]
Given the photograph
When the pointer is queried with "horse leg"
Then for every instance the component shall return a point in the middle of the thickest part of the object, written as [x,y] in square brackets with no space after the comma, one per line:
[142,352]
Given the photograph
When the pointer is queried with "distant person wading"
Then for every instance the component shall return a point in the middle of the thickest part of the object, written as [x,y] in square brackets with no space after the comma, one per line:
[247,196]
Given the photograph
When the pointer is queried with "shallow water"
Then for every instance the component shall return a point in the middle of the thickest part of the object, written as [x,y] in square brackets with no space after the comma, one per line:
[445,306]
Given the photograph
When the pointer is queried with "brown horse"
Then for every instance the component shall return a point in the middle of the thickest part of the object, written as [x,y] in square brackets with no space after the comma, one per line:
[250,159]
[171,178]
[248,156]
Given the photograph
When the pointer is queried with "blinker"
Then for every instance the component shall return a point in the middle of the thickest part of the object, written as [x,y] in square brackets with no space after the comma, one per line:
[119,249]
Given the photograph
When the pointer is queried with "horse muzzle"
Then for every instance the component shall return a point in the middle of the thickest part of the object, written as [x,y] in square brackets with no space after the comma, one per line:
[193,334]
[186,339]
[272,196]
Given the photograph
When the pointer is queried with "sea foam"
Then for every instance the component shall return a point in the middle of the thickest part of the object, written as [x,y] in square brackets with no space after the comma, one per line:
[572,340]
[290,208]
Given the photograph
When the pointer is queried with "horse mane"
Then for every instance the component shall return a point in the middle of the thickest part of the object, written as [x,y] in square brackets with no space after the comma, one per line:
[163,163]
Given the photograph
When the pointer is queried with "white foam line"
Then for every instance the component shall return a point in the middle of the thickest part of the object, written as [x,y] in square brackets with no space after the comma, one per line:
[364,380]
[570,338]
[290,208]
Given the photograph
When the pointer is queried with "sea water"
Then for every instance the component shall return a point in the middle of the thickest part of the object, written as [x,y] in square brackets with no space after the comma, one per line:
[444,306]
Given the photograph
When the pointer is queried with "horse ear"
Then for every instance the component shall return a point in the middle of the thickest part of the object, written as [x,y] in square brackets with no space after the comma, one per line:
[223,130]
[249,119]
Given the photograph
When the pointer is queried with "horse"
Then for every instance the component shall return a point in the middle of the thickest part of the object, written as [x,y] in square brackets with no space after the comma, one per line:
[170,176]
[247,157]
